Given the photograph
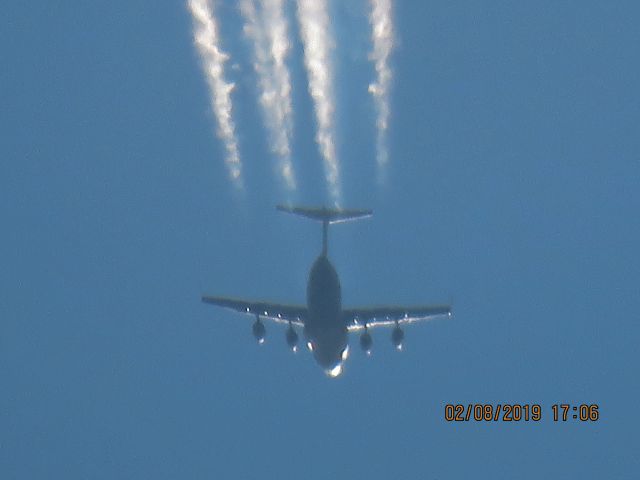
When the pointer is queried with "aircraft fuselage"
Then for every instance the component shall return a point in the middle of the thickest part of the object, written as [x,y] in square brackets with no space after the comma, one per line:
[325,329]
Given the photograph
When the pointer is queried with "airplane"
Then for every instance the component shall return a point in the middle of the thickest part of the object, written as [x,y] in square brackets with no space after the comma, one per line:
[326,324]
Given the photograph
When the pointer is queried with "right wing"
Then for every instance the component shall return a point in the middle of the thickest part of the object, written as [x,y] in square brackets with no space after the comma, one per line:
[278,312]
[357,318]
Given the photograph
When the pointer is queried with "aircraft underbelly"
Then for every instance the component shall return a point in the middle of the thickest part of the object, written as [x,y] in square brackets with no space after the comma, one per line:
[324,298]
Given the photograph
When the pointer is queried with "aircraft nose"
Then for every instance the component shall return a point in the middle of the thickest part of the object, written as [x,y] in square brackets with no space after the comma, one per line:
[331,366]
[335,371]
[330,356]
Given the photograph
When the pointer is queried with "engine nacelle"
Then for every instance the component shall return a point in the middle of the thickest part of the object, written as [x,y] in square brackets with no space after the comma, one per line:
[292,339]
[397,336]
[259,331]
[366,342]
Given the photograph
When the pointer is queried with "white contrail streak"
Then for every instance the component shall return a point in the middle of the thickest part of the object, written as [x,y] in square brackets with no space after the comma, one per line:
[382,37]
[205,33]
[268,32]
[316,39]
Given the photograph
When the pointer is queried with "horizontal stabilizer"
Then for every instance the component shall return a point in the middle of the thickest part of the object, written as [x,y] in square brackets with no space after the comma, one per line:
[329,215]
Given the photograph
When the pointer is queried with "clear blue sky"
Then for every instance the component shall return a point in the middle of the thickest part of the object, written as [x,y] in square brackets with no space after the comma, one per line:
[512,189]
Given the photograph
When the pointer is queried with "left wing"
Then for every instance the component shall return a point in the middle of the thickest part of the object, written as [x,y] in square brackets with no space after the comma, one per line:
[278,312]
[356,318]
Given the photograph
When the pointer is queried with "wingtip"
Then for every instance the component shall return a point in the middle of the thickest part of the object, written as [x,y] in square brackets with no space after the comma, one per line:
[207,298]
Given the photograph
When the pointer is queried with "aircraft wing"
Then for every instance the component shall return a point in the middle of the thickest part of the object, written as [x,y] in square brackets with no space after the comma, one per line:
[278,312]
[356,318]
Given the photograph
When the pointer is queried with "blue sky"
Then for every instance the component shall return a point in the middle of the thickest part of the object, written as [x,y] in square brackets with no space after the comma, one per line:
[511,189]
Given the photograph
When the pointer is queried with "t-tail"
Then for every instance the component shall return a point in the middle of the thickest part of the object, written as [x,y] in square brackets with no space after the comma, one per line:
[327,216]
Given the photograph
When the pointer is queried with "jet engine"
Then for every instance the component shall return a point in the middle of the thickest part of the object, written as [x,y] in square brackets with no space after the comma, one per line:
[397,336]
[292,339]
[366,342]
[259,331]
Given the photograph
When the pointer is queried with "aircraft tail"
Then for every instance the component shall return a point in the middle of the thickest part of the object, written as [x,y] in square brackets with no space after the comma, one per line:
[327,215]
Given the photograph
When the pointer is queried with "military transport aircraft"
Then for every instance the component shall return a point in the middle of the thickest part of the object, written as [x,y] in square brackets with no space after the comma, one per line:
[325,323]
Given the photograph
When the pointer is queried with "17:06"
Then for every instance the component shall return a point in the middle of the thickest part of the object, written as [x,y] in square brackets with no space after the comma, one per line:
[584,412]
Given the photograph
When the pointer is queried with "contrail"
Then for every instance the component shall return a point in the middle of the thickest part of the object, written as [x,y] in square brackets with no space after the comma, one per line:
[267,31]
[382,37]
[205,33]
[316,39]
